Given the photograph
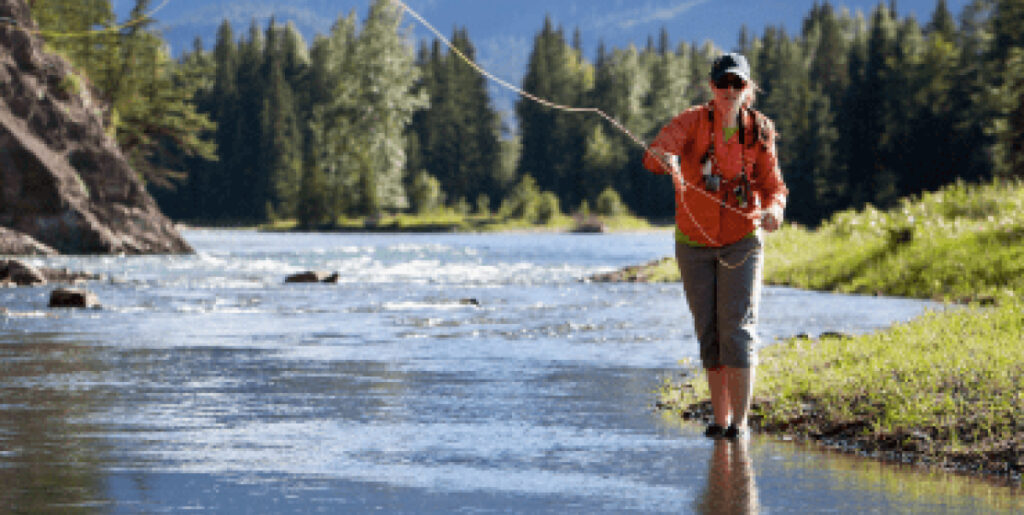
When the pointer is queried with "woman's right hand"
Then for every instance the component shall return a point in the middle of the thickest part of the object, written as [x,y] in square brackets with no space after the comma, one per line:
[771,218]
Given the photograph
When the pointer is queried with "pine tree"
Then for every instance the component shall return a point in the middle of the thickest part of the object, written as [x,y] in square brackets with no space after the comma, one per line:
[553,141]
[1007,60]
[250,187]
[281,140]
[225,111]
[459,131]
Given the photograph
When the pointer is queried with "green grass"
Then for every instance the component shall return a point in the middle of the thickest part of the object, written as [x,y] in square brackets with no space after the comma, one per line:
[961,243]
[943,389]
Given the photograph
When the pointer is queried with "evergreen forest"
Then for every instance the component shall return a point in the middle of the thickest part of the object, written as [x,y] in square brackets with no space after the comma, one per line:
[869,108]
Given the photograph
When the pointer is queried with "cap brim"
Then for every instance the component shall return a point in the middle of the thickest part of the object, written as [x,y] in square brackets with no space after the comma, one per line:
[735,70]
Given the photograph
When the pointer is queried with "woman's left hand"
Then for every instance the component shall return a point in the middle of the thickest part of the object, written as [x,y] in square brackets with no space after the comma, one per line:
[771,218]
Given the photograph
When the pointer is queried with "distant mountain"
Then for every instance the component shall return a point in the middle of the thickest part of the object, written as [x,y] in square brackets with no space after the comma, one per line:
[503,30]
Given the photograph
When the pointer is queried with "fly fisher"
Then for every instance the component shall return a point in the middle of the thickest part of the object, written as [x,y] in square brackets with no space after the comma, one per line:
[728,189]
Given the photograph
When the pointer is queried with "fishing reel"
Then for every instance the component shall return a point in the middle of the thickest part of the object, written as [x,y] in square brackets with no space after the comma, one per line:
[712,181]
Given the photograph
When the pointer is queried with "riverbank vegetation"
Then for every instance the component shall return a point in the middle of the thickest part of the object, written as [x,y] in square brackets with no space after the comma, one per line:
[942,389]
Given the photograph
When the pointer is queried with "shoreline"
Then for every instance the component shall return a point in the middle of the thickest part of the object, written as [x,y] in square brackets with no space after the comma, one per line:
[940,391]
[847,410]
[447,223]
[794,414]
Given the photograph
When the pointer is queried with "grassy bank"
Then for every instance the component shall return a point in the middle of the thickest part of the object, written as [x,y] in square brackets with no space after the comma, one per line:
[942,389]
[449,221]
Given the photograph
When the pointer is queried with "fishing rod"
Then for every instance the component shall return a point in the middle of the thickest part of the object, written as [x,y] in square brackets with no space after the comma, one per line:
[669,164]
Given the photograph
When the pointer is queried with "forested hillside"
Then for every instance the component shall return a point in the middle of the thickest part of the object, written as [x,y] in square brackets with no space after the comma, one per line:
[870,108]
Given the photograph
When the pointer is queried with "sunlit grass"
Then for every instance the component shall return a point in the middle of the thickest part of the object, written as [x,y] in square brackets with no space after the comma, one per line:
[963,242]
[945,386]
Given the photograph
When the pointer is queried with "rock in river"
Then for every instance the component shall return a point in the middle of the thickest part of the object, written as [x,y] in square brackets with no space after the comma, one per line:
[313,276]
[73,298]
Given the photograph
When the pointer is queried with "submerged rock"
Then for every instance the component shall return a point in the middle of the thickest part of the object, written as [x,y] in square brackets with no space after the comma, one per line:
[73,298]
[64,183]
[313,276]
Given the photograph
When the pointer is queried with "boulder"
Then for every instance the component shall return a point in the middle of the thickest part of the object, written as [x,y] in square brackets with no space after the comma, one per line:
[312,277]
[21,274]
[73,298]
[63,180]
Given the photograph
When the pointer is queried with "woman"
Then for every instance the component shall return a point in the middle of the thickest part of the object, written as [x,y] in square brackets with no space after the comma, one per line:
[727,183]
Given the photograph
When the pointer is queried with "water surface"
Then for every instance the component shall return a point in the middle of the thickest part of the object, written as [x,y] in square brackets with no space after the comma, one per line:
[442,373]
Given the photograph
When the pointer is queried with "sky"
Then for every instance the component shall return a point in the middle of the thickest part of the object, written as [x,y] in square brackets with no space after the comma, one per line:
[503,30]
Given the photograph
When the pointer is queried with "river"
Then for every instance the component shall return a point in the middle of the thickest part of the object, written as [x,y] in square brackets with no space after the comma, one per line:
[442,373]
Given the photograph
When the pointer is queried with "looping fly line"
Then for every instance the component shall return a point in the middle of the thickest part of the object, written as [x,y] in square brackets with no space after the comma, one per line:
[14,23]
[676,174]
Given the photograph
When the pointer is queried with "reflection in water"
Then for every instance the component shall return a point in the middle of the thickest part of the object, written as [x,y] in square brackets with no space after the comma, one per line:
[47,461]
[731,487]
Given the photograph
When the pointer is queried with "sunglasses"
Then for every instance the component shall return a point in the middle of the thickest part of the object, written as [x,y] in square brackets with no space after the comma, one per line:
[730,81]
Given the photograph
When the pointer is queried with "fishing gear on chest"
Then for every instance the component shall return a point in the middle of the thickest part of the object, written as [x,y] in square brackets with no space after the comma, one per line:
[740,185]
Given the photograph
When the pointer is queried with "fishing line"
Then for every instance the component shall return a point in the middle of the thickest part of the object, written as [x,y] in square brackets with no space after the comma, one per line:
[681,183]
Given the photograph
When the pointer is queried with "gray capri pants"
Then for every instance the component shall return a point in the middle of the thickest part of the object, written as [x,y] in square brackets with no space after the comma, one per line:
[723,300]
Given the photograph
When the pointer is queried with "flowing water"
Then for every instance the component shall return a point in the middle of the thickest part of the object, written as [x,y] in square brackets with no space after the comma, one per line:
[467,373]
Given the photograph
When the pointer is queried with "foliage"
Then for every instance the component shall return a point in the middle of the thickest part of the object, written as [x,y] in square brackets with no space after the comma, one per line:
[547,207]
[425,193]
[522,201]
[457,138]
[609,203]
[152,110]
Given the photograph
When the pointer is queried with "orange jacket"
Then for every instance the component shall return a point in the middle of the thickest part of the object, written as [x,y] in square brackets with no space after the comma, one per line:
[688,136]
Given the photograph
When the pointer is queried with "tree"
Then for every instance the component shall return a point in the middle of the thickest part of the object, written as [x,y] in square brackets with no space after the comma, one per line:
[552,141]
[281,139]
[1008,126]
[152,114]
[456,137]
[385,107]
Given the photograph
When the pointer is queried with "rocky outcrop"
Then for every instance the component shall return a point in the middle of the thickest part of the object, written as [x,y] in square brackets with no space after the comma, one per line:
[63,181]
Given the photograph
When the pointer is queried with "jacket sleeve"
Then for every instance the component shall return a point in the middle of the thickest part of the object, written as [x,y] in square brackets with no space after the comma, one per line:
[674,138]
[770,182]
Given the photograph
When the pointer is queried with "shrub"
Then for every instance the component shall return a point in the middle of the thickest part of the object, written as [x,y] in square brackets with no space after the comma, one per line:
[522,202]
[609,203]
[547,208]
[425,193]
[483,205]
